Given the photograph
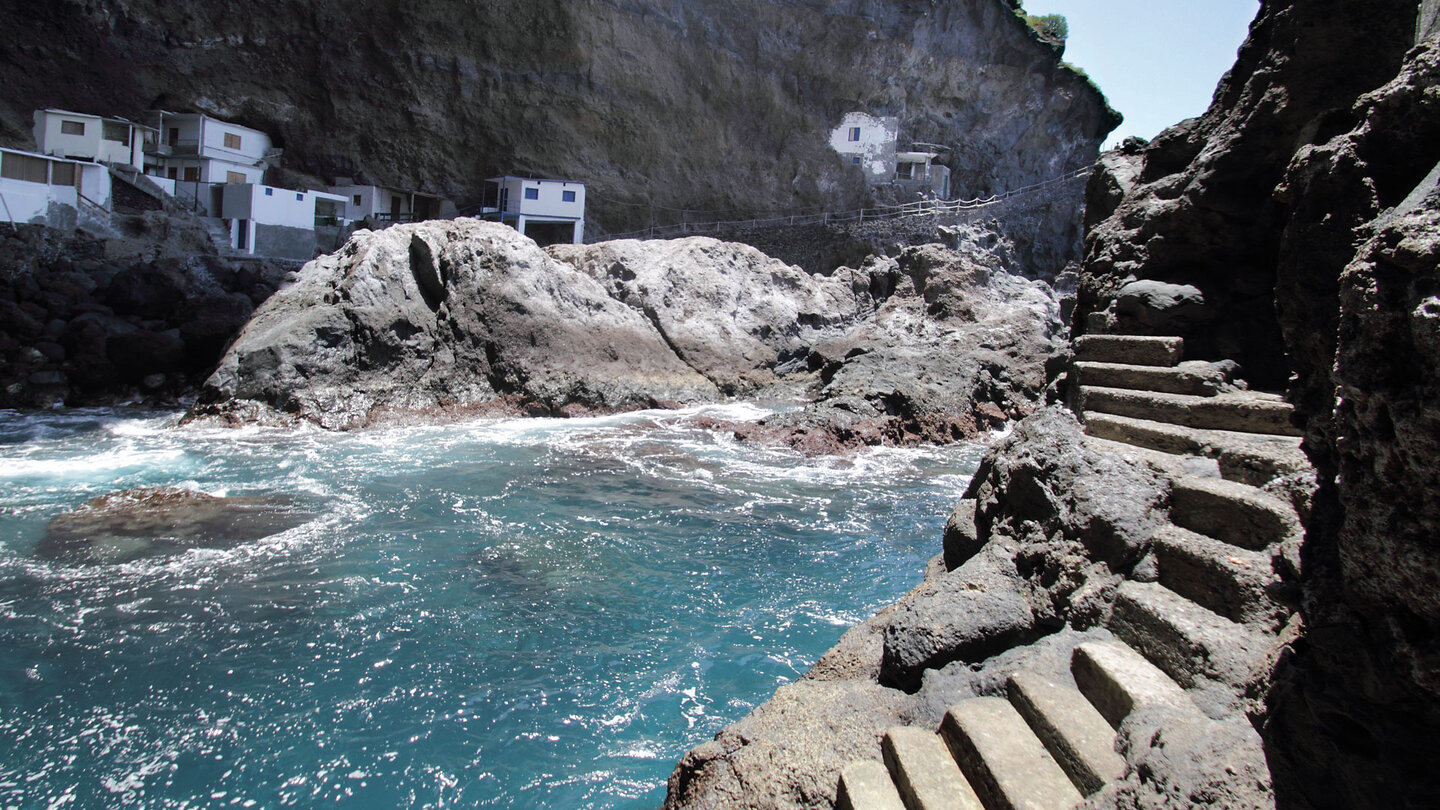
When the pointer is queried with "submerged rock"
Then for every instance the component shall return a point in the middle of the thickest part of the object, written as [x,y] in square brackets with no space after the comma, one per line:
[151,522]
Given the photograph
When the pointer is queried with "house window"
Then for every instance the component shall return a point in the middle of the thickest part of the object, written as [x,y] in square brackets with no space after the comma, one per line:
[24,167]
[192,174]
[854,134]
[232,141]
[299,197]
[62,174]
[357,200]
[269,192]
[72,127]
[855,160]
[567,196]
[905,171]
[115,131]
[532,193]
[173,173]
[235,177]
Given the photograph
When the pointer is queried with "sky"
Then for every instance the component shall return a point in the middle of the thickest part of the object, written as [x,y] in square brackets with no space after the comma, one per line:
[1158,61]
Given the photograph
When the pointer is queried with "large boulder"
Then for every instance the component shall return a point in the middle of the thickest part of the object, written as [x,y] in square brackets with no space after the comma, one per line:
[450,314]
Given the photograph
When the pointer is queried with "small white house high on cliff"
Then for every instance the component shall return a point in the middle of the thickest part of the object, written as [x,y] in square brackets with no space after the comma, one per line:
[551,212]
[81,136]
[871,143]
[197,152]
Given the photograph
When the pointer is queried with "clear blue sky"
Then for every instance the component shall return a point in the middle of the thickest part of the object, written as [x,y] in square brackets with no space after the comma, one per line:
[1158,61]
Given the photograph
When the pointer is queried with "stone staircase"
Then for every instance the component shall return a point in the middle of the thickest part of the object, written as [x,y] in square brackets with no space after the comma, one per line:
[1192,628]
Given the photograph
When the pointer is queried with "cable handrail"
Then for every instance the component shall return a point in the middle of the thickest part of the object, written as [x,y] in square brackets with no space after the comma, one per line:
[918,208]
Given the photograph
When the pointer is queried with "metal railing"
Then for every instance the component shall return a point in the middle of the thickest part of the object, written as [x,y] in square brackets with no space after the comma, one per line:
[918,208]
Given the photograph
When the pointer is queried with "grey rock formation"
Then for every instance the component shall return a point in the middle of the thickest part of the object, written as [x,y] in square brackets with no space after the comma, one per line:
[723,108]
[955,348]
[444,315]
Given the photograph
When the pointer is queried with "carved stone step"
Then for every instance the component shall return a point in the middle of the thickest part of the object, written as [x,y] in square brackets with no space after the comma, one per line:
[1240,411]
[1129,349]
[866,785]
[1003,759]
[1250,458]
[1117,680]
[1238,514]
[1072,729]
[1231,581]
[1188,642]
[924,771]
[1197,379]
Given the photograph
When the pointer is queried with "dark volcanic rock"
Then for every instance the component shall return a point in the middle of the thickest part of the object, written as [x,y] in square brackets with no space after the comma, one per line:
[138,523]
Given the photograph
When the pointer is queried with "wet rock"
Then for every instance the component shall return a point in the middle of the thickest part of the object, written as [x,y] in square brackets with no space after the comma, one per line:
[134,524]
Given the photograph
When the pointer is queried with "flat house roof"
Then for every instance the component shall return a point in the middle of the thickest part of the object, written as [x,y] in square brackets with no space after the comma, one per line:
[163,113]
[916,157]
[93,117]
[52,158]
[505,177]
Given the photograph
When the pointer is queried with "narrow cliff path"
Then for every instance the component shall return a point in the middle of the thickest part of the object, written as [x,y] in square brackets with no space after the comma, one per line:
[1157,705]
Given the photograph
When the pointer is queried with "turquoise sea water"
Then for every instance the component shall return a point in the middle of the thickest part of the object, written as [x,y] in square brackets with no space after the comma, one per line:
[504,613]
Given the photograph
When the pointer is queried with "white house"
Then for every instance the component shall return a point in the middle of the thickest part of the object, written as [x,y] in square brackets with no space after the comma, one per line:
[870,143]
[386,204]
[197,151]
[277,222]
[44,190]
[81,136]
[548,211]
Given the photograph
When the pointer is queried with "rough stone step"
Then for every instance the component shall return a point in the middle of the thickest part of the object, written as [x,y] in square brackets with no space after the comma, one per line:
[1191,644]
[1173,465]
[1240,411]
[1250,458]
[866,785]
[1072,729]
[1238,514]
[1135,350]
[1003,759]
[925,772]
[1195,378]
[1117,680]
[1233,582]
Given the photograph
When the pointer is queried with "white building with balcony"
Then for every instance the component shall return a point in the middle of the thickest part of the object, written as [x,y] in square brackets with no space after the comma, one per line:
[81,136]
[870,143]
[197,151]
[385,204]
[549,211]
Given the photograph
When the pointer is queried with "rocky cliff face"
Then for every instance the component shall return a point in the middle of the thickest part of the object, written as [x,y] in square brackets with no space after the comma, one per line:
[723,108]
[1303,206]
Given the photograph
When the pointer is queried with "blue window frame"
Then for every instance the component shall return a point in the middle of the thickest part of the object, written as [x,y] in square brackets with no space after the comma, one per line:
[269,192]
[567,196]
[532,193]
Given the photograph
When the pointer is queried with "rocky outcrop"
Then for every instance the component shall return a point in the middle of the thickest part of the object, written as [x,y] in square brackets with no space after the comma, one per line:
[419,320]
[956,347]
[723,109]
[140,523]
[86,321]
[1197,205]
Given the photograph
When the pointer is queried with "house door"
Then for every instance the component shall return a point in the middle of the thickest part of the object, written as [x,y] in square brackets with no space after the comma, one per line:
[174,136]
[192,174]
[242,234]
[394,209]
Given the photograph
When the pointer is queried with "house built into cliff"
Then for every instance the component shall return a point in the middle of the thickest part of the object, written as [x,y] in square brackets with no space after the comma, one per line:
[194,152]
[276,222]
[384,204]
[871,144]
[549,211]
[82,136]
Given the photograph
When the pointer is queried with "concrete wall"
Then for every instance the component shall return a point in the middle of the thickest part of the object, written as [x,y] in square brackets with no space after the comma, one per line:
[47,203]
[280,242]
[875,148]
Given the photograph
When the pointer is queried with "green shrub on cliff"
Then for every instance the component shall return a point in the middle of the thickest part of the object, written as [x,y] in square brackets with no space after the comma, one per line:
[1052,27]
